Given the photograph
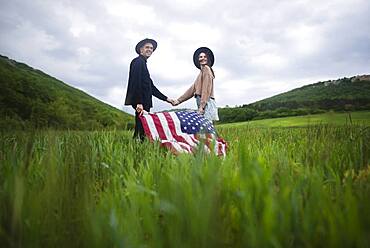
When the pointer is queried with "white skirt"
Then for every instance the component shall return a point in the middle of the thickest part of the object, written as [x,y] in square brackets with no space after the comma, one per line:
[210,111]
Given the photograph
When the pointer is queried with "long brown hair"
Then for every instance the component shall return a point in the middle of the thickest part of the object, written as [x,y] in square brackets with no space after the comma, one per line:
[213,73]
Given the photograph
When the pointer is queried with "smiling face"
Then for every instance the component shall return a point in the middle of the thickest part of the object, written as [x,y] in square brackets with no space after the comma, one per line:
[146,50]
[203,59]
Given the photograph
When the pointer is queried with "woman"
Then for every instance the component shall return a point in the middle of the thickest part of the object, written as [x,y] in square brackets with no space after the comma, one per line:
[203,88]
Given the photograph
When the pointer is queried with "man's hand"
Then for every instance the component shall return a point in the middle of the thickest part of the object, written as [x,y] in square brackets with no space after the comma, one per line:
[139,108]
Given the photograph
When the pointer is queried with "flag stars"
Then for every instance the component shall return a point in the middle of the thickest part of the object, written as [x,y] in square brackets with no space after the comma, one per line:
[193,123]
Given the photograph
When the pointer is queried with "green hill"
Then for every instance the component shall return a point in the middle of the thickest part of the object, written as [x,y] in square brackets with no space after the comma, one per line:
[329,118]
[30,98]
[346,94]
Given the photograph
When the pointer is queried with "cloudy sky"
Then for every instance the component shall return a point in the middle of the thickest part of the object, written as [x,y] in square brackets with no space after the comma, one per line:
[262,48]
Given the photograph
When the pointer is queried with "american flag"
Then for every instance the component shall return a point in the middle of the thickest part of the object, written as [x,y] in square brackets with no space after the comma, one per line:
[183,132]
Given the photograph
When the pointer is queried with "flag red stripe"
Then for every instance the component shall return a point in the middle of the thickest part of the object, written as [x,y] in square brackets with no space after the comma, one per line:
[159,127]
[146,128]
[170,147]
[163,135]
[172,127]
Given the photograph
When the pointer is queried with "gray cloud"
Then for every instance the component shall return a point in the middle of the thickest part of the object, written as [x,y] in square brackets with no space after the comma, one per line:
[262,48]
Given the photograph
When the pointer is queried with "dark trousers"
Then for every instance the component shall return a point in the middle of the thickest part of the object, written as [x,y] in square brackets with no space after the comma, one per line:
[139,130]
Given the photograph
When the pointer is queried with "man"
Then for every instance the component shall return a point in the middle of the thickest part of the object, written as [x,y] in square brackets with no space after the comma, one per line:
[140,86]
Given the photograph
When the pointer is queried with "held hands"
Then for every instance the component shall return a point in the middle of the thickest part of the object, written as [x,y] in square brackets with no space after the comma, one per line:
[176,102]
[173,102]
[140,108]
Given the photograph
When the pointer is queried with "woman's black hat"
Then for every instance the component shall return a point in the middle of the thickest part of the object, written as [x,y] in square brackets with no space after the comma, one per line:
[208,52]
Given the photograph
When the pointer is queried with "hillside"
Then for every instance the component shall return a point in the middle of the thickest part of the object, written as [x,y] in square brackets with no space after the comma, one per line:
[346,94]
[30,98]
[361,118]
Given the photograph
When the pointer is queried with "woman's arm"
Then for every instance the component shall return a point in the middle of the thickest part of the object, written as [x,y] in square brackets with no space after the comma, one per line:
[187,95]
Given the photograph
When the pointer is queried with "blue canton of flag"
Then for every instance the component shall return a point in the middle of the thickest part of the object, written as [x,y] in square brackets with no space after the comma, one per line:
[192,123]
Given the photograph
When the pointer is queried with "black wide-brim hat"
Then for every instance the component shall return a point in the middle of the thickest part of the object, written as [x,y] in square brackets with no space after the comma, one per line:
[143,42]
[208,52]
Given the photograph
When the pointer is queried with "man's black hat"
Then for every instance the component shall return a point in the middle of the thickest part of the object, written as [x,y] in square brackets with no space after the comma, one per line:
[143,42]
[208,52]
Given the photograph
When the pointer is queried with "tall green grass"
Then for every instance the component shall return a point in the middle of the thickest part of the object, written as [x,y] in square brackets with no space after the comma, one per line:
[297,187]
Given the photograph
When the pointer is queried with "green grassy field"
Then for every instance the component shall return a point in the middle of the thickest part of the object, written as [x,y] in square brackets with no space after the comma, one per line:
[360,117]
[278,187]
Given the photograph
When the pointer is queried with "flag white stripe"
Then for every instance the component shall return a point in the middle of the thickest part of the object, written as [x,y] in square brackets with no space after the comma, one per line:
[178,131]
[224,150]
[192,136]
[168,133]
[178,146]
[166,128]
[175,145]
[152,128]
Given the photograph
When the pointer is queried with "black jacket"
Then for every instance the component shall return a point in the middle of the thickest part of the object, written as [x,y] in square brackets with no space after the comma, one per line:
[140,86]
